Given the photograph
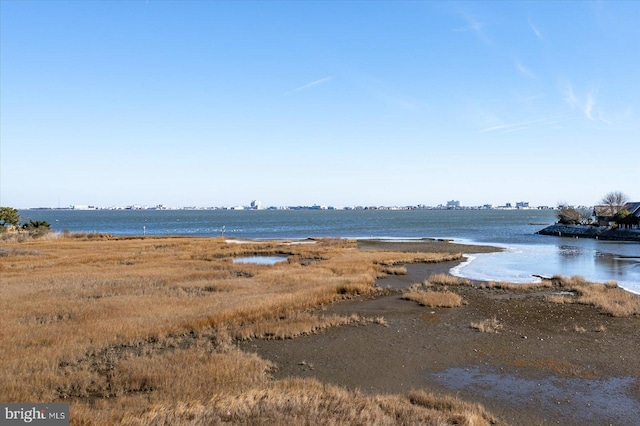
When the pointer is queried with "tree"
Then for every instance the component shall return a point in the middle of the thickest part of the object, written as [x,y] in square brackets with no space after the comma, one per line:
[615,200]
[9,216]
[570,215]
[624,217]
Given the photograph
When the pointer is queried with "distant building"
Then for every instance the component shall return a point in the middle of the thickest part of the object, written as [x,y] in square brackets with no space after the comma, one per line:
[256,205]
[453,204]
[522,205]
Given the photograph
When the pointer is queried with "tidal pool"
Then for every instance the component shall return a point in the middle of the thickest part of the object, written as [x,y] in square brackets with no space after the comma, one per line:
[260,260]
[568,399]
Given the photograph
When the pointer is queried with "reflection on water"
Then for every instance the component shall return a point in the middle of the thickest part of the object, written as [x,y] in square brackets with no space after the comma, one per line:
[572,400]
[569,251]
[594,261]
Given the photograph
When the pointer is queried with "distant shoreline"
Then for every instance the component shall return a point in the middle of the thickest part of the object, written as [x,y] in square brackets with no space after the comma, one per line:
[595,232]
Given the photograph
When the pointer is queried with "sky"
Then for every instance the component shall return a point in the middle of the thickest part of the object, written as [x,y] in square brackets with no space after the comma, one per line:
[341,103]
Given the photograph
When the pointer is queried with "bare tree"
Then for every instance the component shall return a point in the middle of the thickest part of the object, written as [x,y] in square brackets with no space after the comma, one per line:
[615,200]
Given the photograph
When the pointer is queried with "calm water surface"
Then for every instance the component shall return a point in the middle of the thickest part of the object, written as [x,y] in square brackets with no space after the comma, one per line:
[526,253]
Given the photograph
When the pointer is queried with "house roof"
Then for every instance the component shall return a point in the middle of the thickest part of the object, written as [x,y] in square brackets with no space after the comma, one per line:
[604,211]
[610,211]
[634,208]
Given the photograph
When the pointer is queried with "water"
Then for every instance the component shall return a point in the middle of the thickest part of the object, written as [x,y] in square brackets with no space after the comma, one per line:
[573,400]
[526,253]
[260,260]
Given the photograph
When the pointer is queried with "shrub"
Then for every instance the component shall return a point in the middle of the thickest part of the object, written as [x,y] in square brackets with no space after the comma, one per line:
[571,216]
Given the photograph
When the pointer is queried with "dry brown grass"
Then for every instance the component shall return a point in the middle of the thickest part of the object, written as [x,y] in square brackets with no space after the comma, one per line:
[600,329]
[579,329]
[608,297]
[119,325]
[519,286]
[309,402]
[394,270]
[446,279]
[434,299]
[489,325]
[434,292]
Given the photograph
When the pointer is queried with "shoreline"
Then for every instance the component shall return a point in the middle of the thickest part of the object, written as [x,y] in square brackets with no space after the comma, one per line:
[332,312]
[425,246]
[551,363]
[604,233]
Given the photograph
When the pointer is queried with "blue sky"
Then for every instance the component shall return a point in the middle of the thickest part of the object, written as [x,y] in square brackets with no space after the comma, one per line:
[338,103]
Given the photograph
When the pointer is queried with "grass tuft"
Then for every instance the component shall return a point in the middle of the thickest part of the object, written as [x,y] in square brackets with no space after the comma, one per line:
[446,279]
[434,299]
[490,325]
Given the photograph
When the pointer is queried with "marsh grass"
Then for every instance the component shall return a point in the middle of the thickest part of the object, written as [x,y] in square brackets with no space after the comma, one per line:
[520,286]
[446,279]
[434,292]
[295,325]
[309,402]
[118,325]
[430,295]
[394,270]
[607,297]
[434,299]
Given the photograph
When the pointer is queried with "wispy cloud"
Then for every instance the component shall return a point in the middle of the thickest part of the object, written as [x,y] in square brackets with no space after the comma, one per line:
[475,26]
[311,84]
[569,96]
[530,98]
[605,120]
[535,30]
[524,71]
[586,104]
[523,125]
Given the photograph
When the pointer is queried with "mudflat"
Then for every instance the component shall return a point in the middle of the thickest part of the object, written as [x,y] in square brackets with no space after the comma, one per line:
[546,363]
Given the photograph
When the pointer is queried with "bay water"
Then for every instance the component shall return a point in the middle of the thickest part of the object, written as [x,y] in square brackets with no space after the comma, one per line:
[526,254]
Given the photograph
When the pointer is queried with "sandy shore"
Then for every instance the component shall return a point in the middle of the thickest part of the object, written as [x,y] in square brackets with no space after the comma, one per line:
[549,364]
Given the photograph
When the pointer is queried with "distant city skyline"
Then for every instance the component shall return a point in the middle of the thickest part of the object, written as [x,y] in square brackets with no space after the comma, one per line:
[208,103]
[258,205]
